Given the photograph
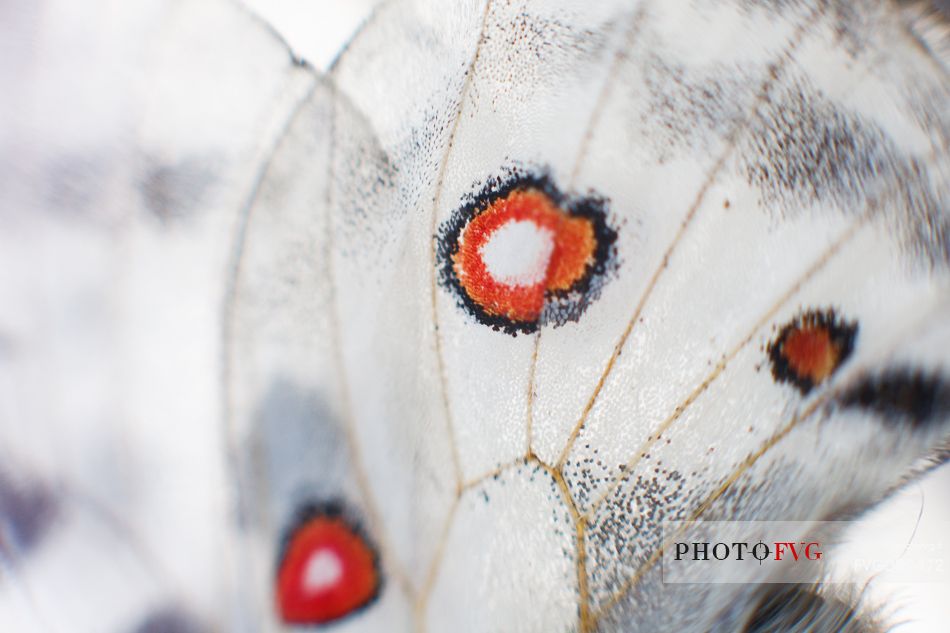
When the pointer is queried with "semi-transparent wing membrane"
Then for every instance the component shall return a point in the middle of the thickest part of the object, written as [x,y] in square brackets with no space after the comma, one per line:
[128,155]
[758,166]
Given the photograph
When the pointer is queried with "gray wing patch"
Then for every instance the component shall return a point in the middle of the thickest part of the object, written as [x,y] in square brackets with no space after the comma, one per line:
[293,430]
[804,150]
[27,510]
[516,41]
[169,620]
[173,191]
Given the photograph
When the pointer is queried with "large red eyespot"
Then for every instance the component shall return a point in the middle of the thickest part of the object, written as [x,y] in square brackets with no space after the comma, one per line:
[328,569]
[810,348]
[520,253]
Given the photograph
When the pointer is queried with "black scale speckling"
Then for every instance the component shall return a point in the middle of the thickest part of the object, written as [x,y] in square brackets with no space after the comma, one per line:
[627,527]
[803,149]
[522,52]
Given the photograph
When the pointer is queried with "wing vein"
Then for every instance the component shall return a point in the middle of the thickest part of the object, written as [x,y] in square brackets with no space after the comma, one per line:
[766,446]
[433,263]
[620,55]
[742,468]
[229,301]
[823,260]
[775,70]
[356,454]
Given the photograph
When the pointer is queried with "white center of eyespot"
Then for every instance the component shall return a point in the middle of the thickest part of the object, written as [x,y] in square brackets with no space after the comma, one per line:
[517,253]
[324,569]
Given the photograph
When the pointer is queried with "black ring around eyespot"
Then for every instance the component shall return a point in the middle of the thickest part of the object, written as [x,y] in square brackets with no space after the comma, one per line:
[561,306]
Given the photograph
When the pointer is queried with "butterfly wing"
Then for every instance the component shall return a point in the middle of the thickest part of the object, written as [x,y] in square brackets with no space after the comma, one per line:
[519,284]
[747,184]
[125,159]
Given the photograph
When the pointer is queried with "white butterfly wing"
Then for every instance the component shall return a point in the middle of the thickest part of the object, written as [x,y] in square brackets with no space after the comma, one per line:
[482,460]
[125,156]
[758,166]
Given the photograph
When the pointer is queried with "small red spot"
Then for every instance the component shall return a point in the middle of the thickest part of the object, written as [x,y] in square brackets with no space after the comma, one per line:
[573,244]
[810,352]
[810,348]
[327,572]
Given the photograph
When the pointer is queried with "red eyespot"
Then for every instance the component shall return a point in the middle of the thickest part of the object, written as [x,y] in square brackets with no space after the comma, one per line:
[810,348]
[552,253]
[520,251]
[327,572]
[809,352]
